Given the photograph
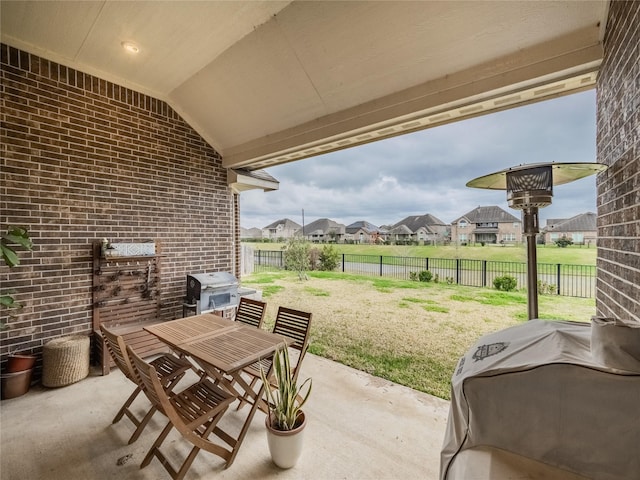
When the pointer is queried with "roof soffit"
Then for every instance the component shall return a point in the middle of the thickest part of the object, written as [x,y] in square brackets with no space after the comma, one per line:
[268,82]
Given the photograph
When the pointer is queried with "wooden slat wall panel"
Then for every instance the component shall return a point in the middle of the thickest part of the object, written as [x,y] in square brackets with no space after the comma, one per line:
[126,298]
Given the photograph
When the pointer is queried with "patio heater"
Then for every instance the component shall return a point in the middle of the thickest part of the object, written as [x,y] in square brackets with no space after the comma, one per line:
[530,187]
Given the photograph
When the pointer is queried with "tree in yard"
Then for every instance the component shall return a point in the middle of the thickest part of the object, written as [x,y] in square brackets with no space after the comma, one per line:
[296,256]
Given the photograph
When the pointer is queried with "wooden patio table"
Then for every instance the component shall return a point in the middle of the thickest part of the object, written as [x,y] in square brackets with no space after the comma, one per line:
[222,348]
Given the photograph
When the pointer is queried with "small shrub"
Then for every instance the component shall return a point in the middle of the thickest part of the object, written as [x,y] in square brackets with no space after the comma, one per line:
[413,276]
[545,288]
[449,280]
[329,258]
[564,242]
[505,283]
[425,276]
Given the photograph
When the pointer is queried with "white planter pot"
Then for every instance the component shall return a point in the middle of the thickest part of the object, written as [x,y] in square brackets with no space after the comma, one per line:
[285,447]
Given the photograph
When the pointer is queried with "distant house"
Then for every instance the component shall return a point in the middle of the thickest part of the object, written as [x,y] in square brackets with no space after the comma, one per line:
[582,229]
[426,229]
[280,230]
[400,234]
[362,232]
[489,224]
[250,233]
[323,230]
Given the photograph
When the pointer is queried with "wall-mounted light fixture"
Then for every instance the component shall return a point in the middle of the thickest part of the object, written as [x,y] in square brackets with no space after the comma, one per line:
[130,47]
[530,187]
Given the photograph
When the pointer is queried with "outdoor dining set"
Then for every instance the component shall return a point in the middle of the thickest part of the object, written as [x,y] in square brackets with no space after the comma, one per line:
[225,358]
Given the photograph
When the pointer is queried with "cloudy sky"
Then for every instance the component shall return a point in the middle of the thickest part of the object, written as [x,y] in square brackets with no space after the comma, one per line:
[426,172]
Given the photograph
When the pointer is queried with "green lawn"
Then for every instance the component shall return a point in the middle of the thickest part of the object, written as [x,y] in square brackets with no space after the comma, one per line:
[408,332]
[573,255]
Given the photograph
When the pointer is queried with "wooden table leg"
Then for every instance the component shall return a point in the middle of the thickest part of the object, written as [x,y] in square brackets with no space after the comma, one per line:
[247,423]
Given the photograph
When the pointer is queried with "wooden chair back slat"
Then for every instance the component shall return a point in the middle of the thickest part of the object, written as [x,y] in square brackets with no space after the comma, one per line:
[118,351]
[142,371]
[251,312]
[297,325]
[293,324]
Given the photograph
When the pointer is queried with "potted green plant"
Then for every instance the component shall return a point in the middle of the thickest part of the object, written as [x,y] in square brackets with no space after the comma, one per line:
[17,377]
[285,419]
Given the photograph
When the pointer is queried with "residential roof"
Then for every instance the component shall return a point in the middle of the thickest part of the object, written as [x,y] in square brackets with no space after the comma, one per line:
[242,179]
[414,222]
[583,222]
[289,224]
[323,226]
[250,232]
[400,230]
[361,225]
[487,214]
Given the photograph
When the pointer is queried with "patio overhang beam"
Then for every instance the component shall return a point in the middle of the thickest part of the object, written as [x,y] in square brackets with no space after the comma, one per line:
[546,71]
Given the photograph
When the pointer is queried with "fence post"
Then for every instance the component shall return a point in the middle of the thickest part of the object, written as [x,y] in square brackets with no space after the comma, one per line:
[380,265]
[484,273]
[343,263]
[259,257]
[558,279]
[457,271]
[426,263]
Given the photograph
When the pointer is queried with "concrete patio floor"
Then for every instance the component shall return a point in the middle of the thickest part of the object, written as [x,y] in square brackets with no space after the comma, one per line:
[360,427]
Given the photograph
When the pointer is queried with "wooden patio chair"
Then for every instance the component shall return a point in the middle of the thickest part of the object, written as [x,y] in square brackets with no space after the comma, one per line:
[291,323]
[170,370]
[194,412]
[251,312]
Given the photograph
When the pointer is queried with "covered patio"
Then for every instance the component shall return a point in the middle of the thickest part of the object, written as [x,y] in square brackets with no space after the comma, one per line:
[360,427]
[100,143]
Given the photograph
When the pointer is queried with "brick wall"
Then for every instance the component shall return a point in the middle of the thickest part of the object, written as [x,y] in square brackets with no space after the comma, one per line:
[618,142]
[83,159]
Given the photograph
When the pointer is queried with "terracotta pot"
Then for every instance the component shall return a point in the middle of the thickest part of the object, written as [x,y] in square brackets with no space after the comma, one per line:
[285,446]
[19,362]
[16,384]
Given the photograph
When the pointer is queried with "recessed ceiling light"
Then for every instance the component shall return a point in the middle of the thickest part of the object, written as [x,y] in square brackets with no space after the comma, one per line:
[130,47]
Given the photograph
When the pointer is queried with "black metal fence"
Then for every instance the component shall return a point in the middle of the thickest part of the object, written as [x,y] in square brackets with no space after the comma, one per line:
[553,278]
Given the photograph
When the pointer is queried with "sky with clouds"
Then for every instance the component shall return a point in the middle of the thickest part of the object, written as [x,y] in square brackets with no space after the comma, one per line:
[426,172]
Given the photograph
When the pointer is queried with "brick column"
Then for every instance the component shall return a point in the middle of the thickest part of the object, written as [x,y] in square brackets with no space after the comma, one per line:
[618,139]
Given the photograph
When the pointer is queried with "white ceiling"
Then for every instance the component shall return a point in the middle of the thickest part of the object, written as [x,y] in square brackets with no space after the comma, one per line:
[266,82]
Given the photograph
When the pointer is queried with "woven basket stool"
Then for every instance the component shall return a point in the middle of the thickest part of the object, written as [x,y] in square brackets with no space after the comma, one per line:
[65,360]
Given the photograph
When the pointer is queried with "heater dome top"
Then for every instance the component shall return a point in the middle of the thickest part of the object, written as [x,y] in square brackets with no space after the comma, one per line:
[561,173]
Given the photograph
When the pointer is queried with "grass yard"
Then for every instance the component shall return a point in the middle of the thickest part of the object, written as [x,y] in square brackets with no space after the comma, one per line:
[411,333]
[574,255]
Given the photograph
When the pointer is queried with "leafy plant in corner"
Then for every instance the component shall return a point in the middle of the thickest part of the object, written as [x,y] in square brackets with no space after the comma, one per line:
[13,239]
[286,400]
